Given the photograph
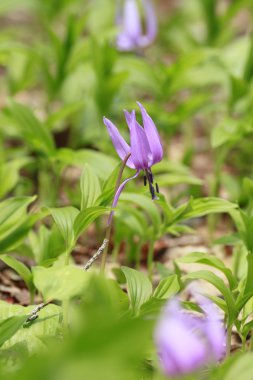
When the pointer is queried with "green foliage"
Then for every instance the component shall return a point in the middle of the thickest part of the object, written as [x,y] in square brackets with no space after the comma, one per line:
[59,77]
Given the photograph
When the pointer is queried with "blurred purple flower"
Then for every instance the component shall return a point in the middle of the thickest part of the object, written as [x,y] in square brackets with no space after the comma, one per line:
[131,35]
[186,342]
[146,148]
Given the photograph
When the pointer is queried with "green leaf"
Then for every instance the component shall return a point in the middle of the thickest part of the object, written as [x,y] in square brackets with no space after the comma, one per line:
[9,174]
[220,285]
[86,217]
[36,135]
[63,113]
[205,206]
[177,179]
[60,283]
[204,258]
[15,223]
[139,288]
[64,218]
[102,163]
[20,268]
[167,287]
[146,204]
[46,326]
[9,327]
[90,187]
[236,367]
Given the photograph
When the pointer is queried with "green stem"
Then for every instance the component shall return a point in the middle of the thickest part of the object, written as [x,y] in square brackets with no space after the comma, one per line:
[109,226]
[249,283]
[150,259]
[228,345]
[251,343]
[215,186]
[115,252]
[65,304]
[138,255]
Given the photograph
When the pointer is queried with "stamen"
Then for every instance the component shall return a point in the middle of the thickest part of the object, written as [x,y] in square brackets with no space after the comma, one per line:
[151,176]
[157,188]
[152,191]
[145,180]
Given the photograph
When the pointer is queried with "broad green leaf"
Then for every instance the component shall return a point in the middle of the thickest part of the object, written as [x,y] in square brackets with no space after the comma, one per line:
[60,282]
[46,244]
[242,300]
[64,218]
[90,187]
[110,182]
[213,261]
[47,325]
[247,328]
[205,206]
[15,223]
[146,204]
[135,221]
[176,179]
[237,367]
[9,327]
[139,287]
[167,287]
[20,268]
[63,113]
[220,285]
[86,217]
[102,163]
[35,133]
[9,174]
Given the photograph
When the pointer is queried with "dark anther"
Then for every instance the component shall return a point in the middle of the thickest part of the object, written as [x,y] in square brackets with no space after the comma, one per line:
[157,188]
[145,180]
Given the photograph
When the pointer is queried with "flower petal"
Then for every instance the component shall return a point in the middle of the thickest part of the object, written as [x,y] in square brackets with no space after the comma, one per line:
[180,348]
[121,146]
[151,22]
[140,150]
[131,20]
[128,117]
[152,135]
[124,43]
[214,330]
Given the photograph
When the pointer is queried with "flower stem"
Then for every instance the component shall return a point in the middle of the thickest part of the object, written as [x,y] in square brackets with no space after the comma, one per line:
[65,304]
[109,225]
[228,343]
[150,258]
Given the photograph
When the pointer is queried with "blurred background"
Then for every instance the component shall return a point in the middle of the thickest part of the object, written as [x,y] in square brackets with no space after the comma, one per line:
[61,71]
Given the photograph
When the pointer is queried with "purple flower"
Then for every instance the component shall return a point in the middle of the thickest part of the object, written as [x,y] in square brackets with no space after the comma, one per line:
[146,148]
[186,342]
[131,35]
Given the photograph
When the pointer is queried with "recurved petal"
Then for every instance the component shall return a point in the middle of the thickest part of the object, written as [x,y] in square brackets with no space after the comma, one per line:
[180,349]
[121,146]
[152,135]
[124,43]
[131,20]
[151,22]
[140,150]
[214,330]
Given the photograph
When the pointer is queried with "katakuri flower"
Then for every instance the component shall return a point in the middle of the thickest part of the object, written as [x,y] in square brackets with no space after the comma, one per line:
[145,150]
[186,342]
[132,35]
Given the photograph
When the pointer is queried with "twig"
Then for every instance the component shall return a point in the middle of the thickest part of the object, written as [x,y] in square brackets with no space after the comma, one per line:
[35,312]
[96,255]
